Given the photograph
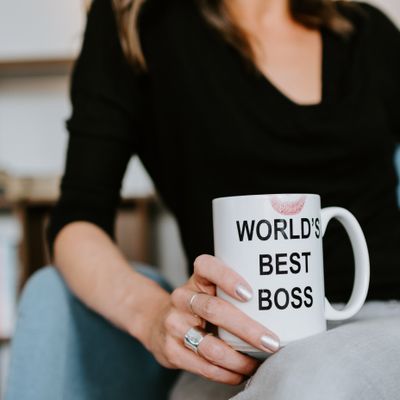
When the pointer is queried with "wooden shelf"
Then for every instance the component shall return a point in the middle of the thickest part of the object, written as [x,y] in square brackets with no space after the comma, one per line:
[39,67]
[6,204]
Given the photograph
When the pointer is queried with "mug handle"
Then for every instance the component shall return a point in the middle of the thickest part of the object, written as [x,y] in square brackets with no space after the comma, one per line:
[361,260]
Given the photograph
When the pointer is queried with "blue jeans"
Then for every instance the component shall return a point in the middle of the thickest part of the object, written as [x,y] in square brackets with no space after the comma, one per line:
[63,350]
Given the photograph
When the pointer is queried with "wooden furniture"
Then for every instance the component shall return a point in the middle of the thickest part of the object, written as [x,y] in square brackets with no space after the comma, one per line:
[132,230]
[34,67]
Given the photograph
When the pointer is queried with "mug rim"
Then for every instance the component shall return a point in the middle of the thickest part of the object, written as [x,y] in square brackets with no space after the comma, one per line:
[237,197]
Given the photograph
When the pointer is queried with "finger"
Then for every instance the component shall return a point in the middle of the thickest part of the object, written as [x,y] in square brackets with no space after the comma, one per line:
[183,298]
[219,353]
[225,315]
[178,323]
[186,359]
[212,269]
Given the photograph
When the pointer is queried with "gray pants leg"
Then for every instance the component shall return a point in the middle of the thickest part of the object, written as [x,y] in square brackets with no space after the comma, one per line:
[357,360]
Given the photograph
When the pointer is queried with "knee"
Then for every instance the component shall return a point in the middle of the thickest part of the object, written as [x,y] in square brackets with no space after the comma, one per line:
[303,371]
[46,283]
[313,371]
[44,278]
[44,294]
[343,364]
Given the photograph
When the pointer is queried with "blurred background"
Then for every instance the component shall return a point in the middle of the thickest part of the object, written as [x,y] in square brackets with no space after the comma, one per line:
[39,41]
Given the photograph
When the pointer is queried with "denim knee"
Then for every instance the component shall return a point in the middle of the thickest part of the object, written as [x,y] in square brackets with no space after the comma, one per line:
[44,292]
[43,278]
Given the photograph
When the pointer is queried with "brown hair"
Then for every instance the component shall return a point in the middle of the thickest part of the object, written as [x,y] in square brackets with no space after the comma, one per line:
[313,14]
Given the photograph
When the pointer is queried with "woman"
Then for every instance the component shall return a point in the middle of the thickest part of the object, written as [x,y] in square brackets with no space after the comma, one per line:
[226,98]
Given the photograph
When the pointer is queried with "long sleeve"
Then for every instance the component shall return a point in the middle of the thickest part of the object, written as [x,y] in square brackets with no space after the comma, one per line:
[107,118]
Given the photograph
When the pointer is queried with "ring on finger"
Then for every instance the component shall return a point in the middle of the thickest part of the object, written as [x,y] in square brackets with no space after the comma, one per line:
[193,337]
[191,303]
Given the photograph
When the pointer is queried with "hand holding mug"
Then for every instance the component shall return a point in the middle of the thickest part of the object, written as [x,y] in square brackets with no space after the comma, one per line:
[194,303]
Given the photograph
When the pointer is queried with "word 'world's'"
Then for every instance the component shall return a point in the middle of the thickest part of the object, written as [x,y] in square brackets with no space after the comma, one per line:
[264,229]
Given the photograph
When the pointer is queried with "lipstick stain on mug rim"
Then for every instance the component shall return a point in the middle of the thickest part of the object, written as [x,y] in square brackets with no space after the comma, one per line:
[288,207]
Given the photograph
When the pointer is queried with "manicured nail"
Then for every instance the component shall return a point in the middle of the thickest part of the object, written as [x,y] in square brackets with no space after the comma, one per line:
[270,343]
[243,292]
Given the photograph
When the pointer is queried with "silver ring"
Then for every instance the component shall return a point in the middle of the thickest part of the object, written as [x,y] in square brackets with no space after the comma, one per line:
[193,337]
[191,303]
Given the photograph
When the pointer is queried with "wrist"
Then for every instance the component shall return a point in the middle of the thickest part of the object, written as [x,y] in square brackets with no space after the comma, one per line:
[144,304]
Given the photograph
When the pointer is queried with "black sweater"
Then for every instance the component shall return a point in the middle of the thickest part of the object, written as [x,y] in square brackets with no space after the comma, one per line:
[206,125]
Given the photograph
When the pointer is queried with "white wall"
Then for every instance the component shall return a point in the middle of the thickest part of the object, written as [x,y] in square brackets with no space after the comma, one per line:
[35,29]
[32,114]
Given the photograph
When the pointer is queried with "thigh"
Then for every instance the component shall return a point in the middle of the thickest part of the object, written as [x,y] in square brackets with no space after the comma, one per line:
[355,361]
[195,387]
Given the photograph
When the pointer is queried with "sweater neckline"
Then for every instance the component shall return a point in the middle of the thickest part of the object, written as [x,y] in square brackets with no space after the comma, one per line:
[265,87]
[264,82]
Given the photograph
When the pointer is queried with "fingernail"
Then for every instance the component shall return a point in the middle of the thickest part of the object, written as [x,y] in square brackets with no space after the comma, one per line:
[270,343]
[243,292]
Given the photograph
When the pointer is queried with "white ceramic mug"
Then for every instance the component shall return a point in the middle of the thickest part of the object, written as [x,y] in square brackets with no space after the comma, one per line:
[275,243]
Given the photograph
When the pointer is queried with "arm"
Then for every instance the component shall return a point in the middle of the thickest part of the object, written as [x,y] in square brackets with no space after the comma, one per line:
[99,275]
[106,96]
